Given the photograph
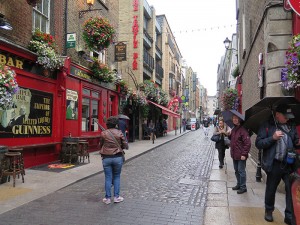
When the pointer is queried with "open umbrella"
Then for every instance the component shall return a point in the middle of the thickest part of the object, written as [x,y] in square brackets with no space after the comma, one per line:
[122,116]
[262,111]
[227,117]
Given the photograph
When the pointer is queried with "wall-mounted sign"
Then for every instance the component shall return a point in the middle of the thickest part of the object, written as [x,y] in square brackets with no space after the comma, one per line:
[135,31]
[71,40]
[295,5]
[120,52]
[30,115]
[72,105]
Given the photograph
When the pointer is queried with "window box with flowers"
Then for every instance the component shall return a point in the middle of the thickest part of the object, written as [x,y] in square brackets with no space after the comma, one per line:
[8,86]
[101,72]
[98,34]
[290,74]
[230,99]
[44,45]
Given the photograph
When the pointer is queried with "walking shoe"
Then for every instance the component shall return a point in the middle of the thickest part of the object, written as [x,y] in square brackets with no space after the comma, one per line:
[241,191]
[236,187]
[269,216]
[118,199]
[220,166]
[288,221]
[106,201]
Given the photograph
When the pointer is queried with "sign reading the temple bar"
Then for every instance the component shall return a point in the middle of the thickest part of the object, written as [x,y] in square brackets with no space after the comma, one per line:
[295,5]
[30,115]
[120,52]
[135,31]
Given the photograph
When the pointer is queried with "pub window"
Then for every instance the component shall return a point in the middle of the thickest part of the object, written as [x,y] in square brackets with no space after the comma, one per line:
[41,16]
[90,110]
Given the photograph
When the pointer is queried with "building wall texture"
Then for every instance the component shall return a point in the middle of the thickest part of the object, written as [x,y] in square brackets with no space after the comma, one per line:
[267,29]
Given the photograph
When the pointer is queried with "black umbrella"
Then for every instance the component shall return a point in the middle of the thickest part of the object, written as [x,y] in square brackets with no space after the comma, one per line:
[122,116]
[227,117]
[262,111]
[217,112]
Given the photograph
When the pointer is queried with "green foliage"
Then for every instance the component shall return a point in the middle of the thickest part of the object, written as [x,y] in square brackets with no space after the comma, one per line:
[230,99]
[236,72]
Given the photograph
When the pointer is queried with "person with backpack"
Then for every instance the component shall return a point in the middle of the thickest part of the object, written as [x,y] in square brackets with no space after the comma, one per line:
[276,136]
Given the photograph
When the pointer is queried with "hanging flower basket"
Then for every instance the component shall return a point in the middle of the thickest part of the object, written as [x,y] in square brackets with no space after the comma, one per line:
[290,74]
[98,34]
[33,3]
[230,99]
[8,86]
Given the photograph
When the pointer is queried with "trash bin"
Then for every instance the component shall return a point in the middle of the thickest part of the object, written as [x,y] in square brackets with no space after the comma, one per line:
[3,150]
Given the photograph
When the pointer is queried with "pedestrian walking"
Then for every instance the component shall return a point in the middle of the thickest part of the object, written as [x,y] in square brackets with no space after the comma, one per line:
[223,131]
[240,145]
[206,127]
[112,143]
[277,137]
[123,126]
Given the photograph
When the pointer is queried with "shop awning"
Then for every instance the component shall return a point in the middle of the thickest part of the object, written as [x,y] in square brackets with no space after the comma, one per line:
[165,110]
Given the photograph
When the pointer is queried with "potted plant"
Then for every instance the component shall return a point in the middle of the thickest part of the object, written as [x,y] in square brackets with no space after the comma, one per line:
[8,86]
[290,74]
[98,34]
[45,47]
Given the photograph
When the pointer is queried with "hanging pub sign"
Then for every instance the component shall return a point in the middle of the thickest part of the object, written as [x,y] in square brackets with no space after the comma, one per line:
[30,115]
[295,5]
[120,52]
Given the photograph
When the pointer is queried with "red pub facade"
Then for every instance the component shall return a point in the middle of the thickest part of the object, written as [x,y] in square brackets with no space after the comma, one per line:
[54,105]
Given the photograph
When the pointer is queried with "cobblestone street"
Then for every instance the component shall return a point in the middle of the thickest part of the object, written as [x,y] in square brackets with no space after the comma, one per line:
[167,185]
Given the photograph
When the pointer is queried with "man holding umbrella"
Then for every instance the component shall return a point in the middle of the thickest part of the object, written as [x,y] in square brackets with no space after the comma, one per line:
[277,137]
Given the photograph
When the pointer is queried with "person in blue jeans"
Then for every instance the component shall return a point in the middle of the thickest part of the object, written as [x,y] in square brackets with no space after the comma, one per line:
[240,145]
[112,142]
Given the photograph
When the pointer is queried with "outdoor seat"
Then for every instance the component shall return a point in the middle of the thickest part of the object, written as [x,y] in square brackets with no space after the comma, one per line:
[12,166]
[83,152]
[70,152]
[22,157]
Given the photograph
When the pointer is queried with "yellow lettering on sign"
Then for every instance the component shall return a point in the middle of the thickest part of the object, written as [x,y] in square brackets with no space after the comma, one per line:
[9,61]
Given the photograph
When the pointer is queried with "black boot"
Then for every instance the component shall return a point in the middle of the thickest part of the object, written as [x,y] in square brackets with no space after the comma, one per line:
[269,215]
[220,165]
[236,187]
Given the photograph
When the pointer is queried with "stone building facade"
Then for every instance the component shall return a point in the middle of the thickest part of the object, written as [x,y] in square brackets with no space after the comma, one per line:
[264,30]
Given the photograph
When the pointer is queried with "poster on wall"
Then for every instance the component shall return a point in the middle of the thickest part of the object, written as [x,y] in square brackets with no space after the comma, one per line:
[72,105]
[30,115]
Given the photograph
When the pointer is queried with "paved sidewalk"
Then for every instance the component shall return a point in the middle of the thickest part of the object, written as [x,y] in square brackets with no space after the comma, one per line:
[231,208]
[39,183]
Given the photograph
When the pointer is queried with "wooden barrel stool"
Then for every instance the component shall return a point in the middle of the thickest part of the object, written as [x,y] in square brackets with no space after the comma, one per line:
[13,160]
[22,157]
[83,152]
[71,152]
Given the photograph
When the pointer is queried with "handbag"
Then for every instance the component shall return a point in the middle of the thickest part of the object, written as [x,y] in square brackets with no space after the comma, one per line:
[226,141]
[216,138]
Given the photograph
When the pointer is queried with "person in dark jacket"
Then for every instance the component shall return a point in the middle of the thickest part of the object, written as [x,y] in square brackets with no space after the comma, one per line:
[275,138]
[222,130]
[112,143]
[123,126]
[240,145]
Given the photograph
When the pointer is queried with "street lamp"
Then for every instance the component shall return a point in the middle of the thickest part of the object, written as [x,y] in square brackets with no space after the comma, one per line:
[90,3]
[227,43]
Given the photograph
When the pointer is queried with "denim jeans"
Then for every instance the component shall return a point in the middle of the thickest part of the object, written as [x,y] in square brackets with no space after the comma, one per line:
[240,173]
[279,171]
[112,170]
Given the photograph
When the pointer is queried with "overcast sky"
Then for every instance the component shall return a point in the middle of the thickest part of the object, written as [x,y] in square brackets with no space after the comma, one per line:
[200,27]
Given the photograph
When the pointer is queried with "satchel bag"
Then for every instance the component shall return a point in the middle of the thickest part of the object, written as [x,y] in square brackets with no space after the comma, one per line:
[216,138]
